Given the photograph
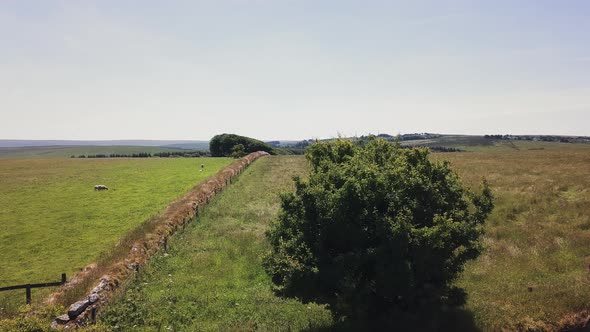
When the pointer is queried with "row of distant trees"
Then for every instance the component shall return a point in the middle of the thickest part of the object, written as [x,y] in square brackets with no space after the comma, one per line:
[443,149]
[543,138]
[166,154]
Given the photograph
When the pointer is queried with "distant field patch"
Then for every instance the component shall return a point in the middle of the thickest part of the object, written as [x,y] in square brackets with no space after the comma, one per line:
[67,151]
[53,221]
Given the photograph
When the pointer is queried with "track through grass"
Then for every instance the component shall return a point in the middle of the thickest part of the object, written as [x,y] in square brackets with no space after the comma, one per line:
[211,278]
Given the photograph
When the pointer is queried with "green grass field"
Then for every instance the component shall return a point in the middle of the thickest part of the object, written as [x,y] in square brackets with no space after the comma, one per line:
[211,279]
[52,220]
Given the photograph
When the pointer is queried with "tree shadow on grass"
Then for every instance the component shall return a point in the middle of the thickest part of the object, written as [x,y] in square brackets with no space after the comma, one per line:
[440,319]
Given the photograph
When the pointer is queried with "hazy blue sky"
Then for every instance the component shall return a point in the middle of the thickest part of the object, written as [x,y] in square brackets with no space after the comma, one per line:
[292,69]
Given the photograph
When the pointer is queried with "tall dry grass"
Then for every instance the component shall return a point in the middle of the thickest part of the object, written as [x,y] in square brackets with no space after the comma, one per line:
[535,271]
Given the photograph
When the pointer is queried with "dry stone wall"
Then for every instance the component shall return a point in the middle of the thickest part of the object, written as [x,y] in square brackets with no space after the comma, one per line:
[176,215]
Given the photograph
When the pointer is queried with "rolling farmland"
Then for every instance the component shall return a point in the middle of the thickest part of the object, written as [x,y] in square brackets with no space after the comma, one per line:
[211,278]
[52,221]
[533,273]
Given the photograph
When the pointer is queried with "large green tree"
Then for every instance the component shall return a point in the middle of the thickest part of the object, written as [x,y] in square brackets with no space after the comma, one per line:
[223,145]
[375,229]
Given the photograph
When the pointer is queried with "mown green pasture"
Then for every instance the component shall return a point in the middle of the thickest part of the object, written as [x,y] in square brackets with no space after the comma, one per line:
[52,220]
[534,273]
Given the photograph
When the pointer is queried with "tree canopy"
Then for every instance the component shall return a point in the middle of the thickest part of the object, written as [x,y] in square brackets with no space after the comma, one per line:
[375,229]
[223,145]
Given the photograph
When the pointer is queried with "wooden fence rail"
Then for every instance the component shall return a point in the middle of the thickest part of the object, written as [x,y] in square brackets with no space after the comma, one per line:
[28,287]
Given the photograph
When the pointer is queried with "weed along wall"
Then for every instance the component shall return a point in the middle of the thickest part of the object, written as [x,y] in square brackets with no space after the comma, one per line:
[143,245]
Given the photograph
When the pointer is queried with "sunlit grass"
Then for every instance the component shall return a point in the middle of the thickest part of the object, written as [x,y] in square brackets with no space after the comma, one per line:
[534,271]
[211,278]
[52,220]
[533,274]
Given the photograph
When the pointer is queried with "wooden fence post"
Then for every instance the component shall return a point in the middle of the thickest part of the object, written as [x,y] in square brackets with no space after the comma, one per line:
[28,287]
[93,315]
[28,294]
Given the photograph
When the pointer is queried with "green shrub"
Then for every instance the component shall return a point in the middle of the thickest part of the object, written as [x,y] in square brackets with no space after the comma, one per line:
[375,230]
[238,151]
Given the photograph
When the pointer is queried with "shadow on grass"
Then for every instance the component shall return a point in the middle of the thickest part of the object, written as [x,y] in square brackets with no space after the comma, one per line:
[448,319]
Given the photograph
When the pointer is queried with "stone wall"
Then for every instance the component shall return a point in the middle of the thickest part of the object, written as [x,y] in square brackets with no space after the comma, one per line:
[177,215]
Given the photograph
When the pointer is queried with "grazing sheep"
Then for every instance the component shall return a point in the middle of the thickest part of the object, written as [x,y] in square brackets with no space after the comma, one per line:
[101,187]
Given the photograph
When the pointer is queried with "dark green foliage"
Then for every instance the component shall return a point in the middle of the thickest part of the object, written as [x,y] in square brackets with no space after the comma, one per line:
[375,230]
[238,151]
[288,151]
[185,154]
[164,154]
[222,145]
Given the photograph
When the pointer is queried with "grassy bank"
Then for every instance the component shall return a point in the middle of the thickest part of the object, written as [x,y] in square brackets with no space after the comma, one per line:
[211,278]
[52,220]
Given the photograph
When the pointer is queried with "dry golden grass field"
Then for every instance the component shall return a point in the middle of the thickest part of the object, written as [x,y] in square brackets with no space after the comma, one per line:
[535,271]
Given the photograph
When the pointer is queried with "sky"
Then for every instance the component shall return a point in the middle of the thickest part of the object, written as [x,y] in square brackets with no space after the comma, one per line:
[292,69]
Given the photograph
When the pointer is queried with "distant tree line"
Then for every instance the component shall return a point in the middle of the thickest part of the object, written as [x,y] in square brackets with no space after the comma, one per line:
[289,151]
[166,154]
[404,137]
[541,138]
[433,148]
[186,154]
[226,145]
[297,148]
[444,149]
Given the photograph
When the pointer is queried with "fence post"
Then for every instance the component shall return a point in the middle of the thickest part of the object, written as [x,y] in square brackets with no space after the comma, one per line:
[28,293]
[63,278]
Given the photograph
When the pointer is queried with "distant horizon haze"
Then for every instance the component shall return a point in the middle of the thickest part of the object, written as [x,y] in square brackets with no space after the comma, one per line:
[4,142]
[100,70]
